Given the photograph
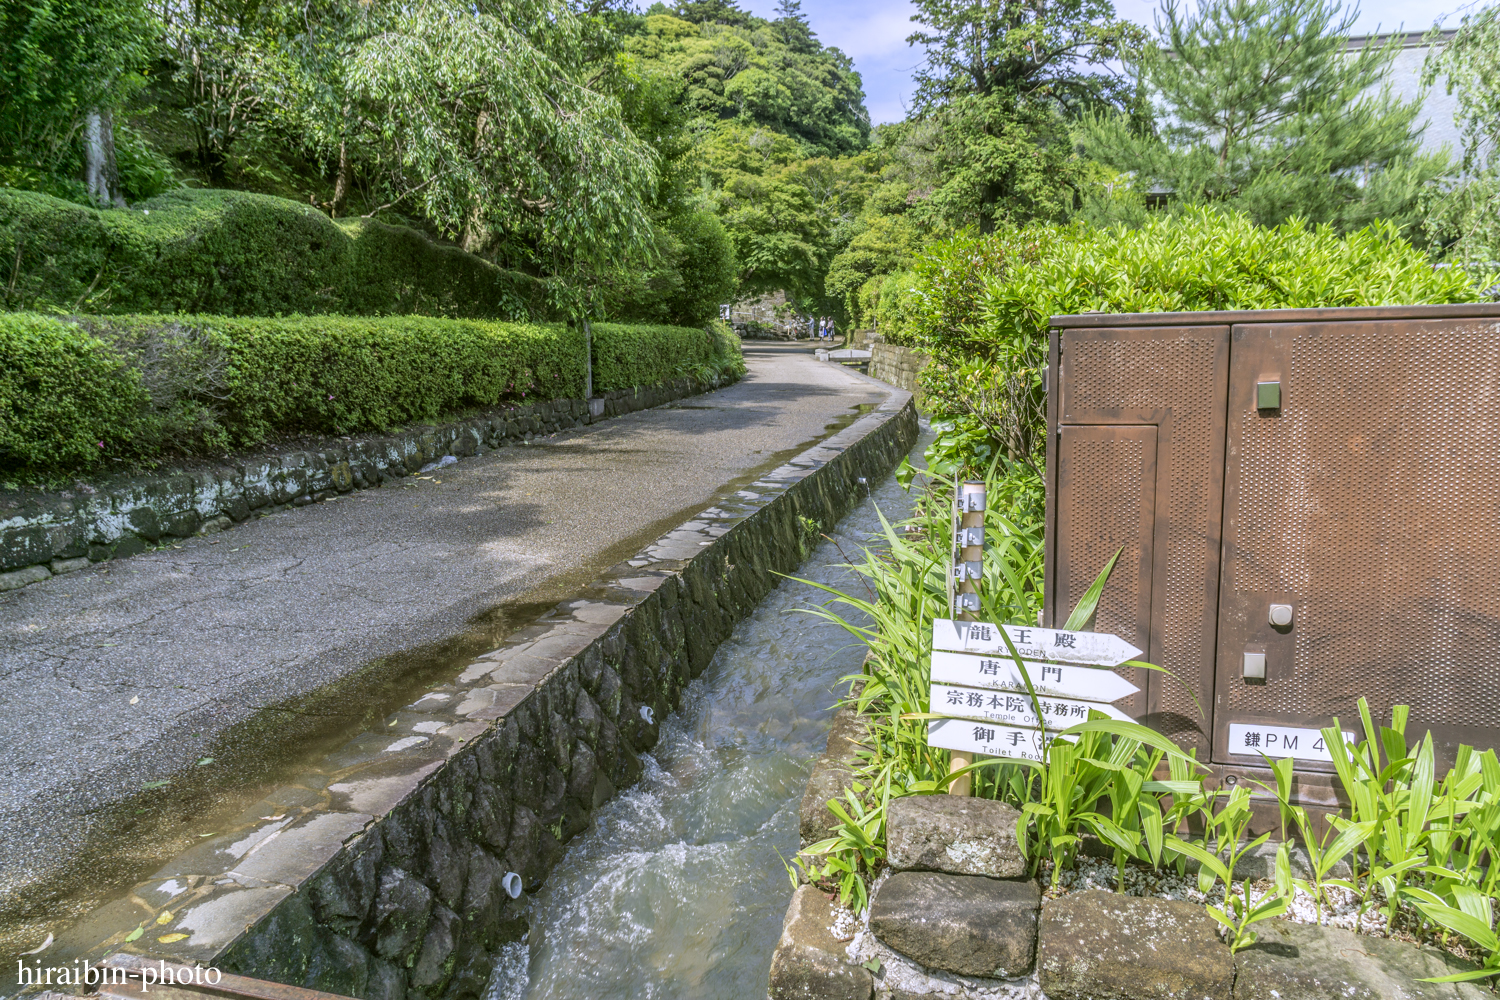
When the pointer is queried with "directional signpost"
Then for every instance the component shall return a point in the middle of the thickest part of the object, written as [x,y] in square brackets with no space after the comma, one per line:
[985,694]
[977,683]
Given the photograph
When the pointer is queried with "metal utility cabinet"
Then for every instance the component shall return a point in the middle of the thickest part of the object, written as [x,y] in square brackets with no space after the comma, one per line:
[1309,507]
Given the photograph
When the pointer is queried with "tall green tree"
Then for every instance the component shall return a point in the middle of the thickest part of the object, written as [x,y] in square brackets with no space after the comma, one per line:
[1466,217]
[1260,106]
[1001,79]
[1058,49]
[61,62]
[750,71]
[494,121]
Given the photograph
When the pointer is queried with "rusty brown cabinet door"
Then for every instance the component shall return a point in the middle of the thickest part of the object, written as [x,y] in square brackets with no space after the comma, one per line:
[1362,501]
[1116,511]
[1136,461]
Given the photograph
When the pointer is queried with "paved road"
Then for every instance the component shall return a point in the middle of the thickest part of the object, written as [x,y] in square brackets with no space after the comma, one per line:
[129,673]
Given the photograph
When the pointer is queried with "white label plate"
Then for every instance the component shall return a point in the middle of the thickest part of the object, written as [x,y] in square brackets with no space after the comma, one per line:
[1099,649]
[1060,680]
[986,738]
[1278,742]
[1012,709]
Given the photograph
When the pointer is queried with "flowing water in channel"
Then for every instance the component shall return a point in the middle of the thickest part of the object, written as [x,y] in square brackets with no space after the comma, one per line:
[678,889]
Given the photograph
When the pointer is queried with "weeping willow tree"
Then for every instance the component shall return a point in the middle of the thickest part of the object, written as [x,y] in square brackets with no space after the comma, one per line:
[496,121]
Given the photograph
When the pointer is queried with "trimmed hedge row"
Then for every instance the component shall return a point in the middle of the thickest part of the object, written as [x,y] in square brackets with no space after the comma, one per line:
[241,254]
[77,392]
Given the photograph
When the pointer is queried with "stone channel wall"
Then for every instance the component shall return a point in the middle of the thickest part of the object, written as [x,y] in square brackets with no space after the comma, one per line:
[957,916]
[61,532]
[899,366]
[380,872]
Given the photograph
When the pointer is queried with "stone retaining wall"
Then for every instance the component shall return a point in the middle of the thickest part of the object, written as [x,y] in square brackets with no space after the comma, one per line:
[379,872]
[899,366]
[956,917]
[42,535]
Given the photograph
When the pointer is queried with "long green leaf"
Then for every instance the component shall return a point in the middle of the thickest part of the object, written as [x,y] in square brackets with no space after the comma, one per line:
[1082,618]
[1198,854]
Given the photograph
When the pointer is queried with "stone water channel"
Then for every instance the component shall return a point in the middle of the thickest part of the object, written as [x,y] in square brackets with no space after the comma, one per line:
[678,888]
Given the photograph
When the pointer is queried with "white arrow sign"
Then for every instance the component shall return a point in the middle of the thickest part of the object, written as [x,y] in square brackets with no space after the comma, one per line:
[1000,673]
[1099,649]
[1014,709]
[987,738]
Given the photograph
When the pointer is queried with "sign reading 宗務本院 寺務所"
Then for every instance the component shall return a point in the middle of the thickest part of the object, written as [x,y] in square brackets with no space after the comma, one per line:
[981,687]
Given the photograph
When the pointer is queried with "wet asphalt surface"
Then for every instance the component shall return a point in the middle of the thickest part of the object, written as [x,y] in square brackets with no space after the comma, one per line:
[121,678]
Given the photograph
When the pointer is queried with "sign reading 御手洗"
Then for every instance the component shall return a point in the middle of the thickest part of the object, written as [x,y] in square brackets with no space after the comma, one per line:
[982,689]
[986,738]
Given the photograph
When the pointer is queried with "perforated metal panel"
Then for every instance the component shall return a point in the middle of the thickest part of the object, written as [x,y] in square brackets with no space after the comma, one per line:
[1112,508]
[1370,502]
[1172,381]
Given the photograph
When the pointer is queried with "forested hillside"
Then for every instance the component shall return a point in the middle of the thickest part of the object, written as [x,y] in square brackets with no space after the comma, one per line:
[651,164]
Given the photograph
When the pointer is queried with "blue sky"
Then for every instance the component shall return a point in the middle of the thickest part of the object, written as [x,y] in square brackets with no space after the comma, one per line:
[874,33]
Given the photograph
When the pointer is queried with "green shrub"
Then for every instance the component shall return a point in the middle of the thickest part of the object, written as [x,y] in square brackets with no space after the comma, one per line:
[236,253]
[65,396]
[981,304]
[74,392]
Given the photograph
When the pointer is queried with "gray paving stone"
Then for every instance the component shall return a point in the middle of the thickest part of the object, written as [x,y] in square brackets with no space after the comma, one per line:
[955,834]
[1101,946]
[1291,961]
[968,924]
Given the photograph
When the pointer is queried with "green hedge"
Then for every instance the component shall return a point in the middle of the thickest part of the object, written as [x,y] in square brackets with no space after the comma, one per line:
[240,254]
[81,391]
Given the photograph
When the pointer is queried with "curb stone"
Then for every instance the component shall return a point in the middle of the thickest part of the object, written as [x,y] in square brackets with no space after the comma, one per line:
[810,962]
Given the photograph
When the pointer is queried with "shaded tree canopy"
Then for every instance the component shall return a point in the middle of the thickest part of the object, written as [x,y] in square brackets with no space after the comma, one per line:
[750,71]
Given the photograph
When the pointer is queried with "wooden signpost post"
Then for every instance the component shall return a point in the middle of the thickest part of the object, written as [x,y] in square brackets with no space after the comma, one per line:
[978,686]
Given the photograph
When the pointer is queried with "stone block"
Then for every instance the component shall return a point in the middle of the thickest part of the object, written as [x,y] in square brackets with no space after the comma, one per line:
[237,508]
[70,540]
[402,908]
[61,566]
[831,775]
[18,578]
[955,834]
[181,524]
[1291,961]
[128,546]
[809,962]
[432,967]
[24,546]
[1101,946]
[257,495]
[968,924]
